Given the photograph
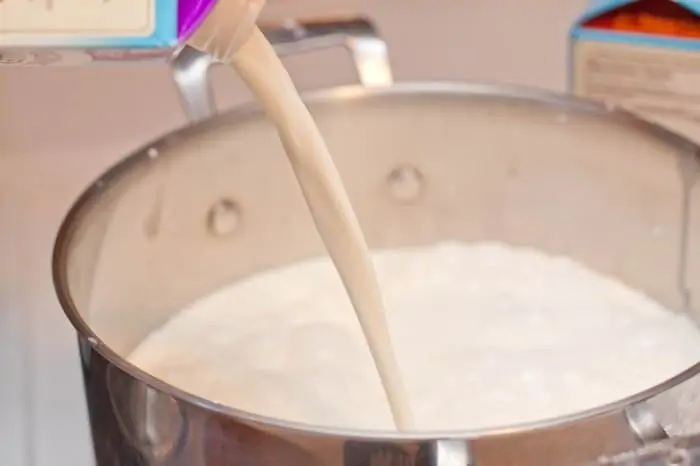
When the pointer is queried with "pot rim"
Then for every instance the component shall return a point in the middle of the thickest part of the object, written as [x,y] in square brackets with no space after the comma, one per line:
[342,94]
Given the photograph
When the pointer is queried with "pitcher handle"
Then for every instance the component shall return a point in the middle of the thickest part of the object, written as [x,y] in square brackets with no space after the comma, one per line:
[358,35]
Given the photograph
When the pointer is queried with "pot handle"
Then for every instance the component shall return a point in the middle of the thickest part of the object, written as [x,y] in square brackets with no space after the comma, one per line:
[453,452]
[659,432]
[191,67]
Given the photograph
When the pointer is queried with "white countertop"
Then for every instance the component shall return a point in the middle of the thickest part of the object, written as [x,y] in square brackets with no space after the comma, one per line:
[60,127]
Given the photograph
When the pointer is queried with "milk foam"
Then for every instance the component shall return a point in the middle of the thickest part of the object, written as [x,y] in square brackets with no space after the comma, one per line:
[485,334]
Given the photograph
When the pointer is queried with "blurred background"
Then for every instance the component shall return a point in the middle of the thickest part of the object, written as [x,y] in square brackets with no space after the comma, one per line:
[60,127]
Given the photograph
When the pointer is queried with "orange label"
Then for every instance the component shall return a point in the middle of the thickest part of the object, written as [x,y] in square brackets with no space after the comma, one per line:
[657,17]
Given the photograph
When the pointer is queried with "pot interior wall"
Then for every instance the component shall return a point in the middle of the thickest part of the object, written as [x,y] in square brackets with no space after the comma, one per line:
[218,202]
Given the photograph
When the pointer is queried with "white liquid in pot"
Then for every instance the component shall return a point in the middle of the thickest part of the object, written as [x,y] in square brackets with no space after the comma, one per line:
[486,335]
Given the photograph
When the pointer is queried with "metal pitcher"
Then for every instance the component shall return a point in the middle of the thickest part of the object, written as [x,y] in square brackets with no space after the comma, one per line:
[423,162]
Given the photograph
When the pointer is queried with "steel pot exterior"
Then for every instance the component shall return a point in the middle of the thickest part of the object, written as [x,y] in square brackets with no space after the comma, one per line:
[223,211]
[136,416]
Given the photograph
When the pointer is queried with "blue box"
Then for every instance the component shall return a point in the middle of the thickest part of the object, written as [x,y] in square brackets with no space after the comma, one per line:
[75,32]
[643,55]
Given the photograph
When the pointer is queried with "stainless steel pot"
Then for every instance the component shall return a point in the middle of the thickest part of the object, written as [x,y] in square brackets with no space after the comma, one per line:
[217,201]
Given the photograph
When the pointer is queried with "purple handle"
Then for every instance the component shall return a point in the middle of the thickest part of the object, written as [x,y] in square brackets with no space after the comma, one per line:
[191,13]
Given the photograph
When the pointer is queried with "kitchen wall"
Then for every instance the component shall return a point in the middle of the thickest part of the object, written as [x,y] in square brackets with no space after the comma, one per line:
[60,127]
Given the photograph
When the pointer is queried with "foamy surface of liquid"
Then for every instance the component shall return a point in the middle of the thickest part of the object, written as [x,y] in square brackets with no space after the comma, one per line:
[486,335]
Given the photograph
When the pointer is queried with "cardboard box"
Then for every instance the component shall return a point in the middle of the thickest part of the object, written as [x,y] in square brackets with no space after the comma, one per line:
[643,55]
[76,32]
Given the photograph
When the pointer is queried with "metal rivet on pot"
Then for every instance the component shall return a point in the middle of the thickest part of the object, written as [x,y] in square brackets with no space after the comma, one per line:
[450,452]
[297,30]
[223,217]
[644,424]
[678,457]
[405,183]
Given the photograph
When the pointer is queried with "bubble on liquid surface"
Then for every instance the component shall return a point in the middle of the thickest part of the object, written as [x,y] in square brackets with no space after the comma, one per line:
[223,217]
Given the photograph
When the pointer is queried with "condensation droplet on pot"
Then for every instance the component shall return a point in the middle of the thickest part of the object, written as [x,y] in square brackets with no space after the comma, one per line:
[405,183]
[223,217]
[152,153]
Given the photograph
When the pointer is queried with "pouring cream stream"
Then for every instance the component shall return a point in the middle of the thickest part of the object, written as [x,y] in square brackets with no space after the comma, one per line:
[229,33]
